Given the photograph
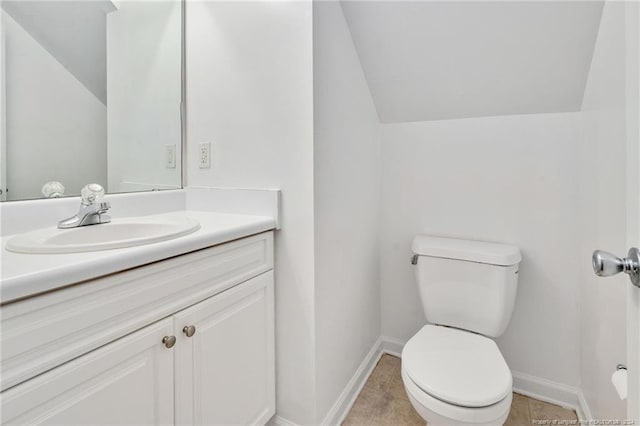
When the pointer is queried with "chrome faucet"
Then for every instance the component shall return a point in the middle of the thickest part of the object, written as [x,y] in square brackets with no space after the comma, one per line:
[92,209]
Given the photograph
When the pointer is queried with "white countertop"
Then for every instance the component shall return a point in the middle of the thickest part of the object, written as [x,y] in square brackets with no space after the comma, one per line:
[24,275]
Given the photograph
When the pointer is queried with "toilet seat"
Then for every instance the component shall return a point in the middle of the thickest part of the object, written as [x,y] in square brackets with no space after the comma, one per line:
[440,413]
[457,367]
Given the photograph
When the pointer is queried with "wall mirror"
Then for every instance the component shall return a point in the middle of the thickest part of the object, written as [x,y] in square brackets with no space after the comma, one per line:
[90,92]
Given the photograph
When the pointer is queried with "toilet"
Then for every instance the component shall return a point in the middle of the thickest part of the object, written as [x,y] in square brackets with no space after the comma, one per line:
[453,372]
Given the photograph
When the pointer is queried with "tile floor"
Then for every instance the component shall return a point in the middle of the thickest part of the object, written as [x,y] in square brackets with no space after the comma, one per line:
[383,402]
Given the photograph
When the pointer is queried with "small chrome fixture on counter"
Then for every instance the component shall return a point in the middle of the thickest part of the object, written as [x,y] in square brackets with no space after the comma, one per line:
[607,264]
[92,209]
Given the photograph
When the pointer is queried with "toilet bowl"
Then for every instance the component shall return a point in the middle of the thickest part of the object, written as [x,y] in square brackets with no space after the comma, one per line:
[455,377]
[453,372]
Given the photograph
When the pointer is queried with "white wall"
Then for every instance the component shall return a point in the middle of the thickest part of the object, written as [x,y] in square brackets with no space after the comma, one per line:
[250,94]
[56,128]
[144,91]
[346,207]
[603,319]
[509,179]
[284,106]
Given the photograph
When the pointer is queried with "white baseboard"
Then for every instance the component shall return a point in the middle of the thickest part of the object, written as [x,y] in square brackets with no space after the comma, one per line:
[280,421]
[534,387]
[347,398]
[392,346]
[552,392]
[584,413]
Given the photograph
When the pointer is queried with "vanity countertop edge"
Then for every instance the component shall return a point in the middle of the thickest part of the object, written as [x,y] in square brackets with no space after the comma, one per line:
[25,275]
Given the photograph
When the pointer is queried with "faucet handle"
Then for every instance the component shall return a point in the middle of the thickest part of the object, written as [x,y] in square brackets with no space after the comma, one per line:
[91,194]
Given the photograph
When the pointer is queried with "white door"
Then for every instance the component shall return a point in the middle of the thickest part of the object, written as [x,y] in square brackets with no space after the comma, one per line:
[3,114]
[633,202]
[609,264]
[225,357]
[127,382]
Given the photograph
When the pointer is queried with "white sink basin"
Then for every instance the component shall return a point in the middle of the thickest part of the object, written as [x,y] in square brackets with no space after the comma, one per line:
[119,233]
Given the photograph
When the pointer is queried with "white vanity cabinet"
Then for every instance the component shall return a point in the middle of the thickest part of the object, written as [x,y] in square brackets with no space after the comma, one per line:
[188,340]
[225,370]
[127,382]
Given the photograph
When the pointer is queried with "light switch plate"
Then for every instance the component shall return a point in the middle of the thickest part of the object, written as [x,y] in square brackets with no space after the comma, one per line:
[204,155]
[170,156]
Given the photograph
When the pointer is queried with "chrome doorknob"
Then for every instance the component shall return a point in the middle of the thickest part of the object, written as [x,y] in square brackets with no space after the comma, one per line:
[606,264]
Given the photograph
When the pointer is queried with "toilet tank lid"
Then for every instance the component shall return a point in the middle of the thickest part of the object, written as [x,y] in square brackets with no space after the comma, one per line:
[472,251]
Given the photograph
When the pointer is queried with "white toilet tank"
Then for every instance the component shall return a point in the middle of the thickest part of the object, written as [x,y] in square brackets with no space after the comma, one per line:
[467,284]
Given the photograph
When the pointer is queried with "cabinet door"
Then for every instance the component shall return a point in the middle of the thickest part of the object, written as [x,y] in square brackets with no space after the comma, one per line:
[126,382]
[225,370]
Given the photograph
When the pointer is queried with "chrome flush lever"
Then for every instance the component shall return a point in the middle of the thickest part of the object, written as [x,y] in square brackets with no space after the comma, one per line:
[606,264]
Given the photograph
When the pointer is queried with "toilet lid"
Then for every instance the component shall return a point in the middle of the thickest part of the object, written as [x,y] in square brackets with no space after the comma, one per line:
[456,366]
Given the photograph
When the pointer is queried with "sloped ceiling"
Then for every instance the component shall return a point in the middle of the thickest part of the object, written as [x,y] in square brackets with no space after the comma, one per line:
[434,60]
[74,32]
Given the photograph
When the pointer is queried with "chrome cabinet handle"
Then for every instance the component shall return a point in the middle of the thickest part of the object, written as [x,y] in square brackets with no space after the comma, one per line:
[189,330]
[607,264]
[169,341]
